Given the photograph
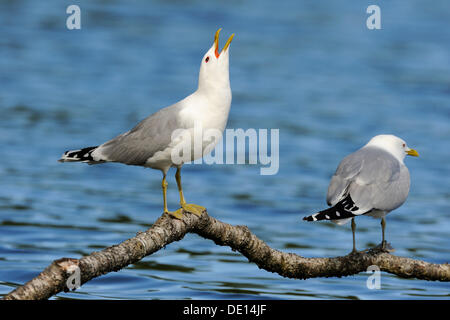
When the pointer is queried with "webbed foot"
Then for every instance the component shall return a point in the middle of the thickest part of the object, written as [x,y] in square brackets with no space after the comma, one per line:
[384,246]
[193,208]
[178,214]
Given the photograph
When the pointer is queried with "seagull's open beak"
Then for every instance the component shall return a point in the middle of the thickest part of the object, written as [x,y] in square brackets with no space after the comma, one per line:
[216,43]
[412,152]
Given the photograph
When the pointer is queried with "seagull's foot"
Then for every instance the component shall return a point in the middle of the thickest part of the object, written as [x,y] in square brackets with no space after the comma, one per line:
[178,214]
[384,246]
[193,208]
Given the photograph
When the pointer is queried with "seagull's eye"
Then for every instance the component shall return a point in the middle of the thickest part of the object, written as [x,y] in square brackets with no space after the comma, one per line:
[207,59]
[404,145]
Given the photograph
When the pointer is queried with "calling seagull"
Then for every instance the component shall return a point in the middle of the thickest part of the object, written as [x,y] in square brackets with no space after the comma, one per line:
[150,143]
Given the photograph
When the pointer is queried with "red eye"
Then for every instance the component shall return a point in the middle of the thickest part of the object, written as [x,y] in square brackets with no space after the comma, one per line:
[207,59]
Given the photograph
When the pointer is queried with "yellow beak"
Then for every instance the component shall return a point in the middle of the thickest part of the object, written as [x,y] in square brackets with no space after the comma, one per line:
[216,43]
[227,44]
[412,152]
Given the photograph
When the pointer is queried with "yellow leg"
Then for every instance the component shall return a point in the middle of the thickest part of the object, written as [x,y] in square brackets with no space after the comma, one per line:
[192,208]
[180,188]
[175,214]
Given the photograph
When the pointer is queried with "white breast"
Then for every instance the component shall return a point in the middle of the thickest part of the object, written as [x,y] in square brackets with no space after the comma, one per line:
[202,122]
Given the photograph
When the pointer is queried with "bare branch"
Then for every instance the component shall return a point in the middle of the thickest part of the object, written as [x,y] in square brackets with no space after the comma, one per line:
[167,230]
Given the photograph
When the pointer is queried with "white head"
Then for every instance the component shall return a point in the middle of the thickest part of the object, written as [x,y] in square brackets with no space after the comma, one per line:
[214,70]
[394,145]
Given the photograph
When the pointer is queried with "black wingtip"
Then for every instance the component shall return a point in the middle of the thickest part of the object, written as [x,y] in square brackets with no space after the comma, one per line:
[80,155]
[342,210]
[308,218]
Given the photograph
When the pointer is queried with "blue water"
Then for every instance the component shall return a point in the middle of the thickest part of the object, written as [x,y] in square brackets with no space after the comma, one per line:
[311,69]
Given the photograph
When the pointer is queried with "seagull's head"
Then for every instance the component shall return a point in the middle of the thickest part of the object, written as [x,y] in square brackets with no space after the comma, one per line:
[214,70]
[394,145]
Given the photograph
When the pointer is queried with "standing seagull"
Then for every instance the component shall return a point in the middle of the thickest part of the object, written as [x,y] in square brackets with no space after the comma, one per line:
[373,181]
[150,143]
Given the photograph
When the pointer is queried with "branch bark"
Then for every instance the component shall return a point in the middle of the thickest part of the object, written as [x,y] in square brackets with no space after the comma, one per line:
[239,238]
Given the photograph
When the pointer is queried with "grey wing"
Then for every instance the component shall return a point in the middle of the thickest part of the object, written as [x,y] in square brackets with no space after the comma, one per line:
[382,182]
[151,135]
[349,167]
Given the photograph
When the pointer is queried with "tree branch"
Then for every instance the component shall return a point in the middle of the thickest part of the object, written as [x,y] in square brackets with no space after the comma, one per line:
[239,238]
